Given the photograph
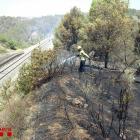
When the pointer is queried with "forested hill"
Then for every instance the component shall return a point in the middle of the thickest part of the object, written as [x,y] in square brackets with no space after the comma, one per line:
[20,32]
[133,12]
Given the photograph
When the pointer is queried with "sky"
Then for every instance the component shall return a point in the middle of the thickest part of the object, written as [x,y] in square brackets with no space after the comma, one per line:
[38,8]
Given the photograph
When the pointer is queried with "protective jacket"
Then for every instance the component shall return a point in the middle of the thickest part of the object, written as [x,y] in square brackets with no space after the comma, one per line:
[83,55]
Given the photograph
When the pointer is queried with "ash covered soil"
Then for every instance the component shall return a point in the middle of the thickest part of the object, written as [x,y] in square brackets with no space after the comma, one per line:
[65,108]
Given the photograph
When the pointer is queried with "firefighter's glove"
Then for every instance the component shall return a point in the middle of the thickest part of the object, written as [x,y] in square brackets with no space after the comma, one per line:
[89,59]
[77,55]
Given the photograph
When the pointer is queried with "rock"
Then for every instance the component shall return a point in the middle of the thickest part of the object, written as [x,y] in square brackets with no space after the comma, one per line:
[77,102]
[85,106]
[124,137]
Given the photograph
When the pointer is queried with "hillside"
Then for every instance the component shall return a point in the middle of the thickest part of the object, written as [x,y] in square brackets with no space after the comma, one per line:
[52,100]
[21,32]
[69,108]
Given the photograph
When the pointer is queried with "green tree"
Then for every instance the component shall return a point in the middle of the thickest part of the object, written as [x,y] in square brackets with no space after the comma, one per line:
[43,66]
[67,31]
[112,30]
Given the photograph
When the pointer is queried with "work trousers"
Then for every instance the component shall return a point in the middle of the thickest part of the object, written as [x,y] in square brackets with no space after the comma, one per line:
[82,67]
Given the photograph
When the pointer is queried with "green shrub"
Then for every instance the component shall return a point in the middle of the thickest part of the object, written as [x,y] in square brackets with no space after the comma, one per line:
[5,93]
[3,39]
[43,66]
[11,45]
[2,51]
[128,80]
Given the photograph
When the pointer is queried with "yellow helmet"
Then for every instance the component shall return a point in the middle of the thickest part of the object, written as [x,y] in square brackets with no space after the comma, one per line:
[79,48]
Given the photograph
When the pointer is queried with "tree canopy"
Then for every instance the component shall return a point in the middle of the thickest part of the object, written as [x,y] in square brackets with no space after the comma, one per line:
[106,29]
[111,29]
[67,32]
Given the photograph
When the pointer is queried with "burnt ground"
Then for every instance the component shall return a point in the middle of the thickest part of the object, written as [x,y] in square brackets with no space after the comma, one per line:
[55,117]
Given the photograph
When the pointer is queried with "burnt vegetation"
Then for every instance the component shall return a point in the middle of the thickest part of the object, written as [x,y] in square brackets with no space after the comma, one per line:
[104,103]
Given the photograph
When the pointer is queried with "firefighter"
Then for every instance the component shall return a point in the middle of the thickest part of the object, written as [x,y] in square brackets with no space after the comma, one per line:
[83,57]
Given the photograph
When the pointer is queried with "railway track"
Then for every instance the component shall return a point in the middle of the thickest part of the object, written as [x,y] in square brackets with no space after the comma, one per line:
[9,68]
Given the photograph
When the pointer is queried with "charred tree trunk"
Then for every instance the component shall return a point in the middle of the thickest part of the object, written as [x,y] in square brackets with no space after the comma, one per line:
[106,59]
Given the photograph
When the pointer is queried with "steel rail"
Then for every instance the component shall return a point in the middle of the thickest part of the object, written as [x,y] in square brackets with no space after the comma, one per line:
[14,68]
[20,59]
[43,44]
